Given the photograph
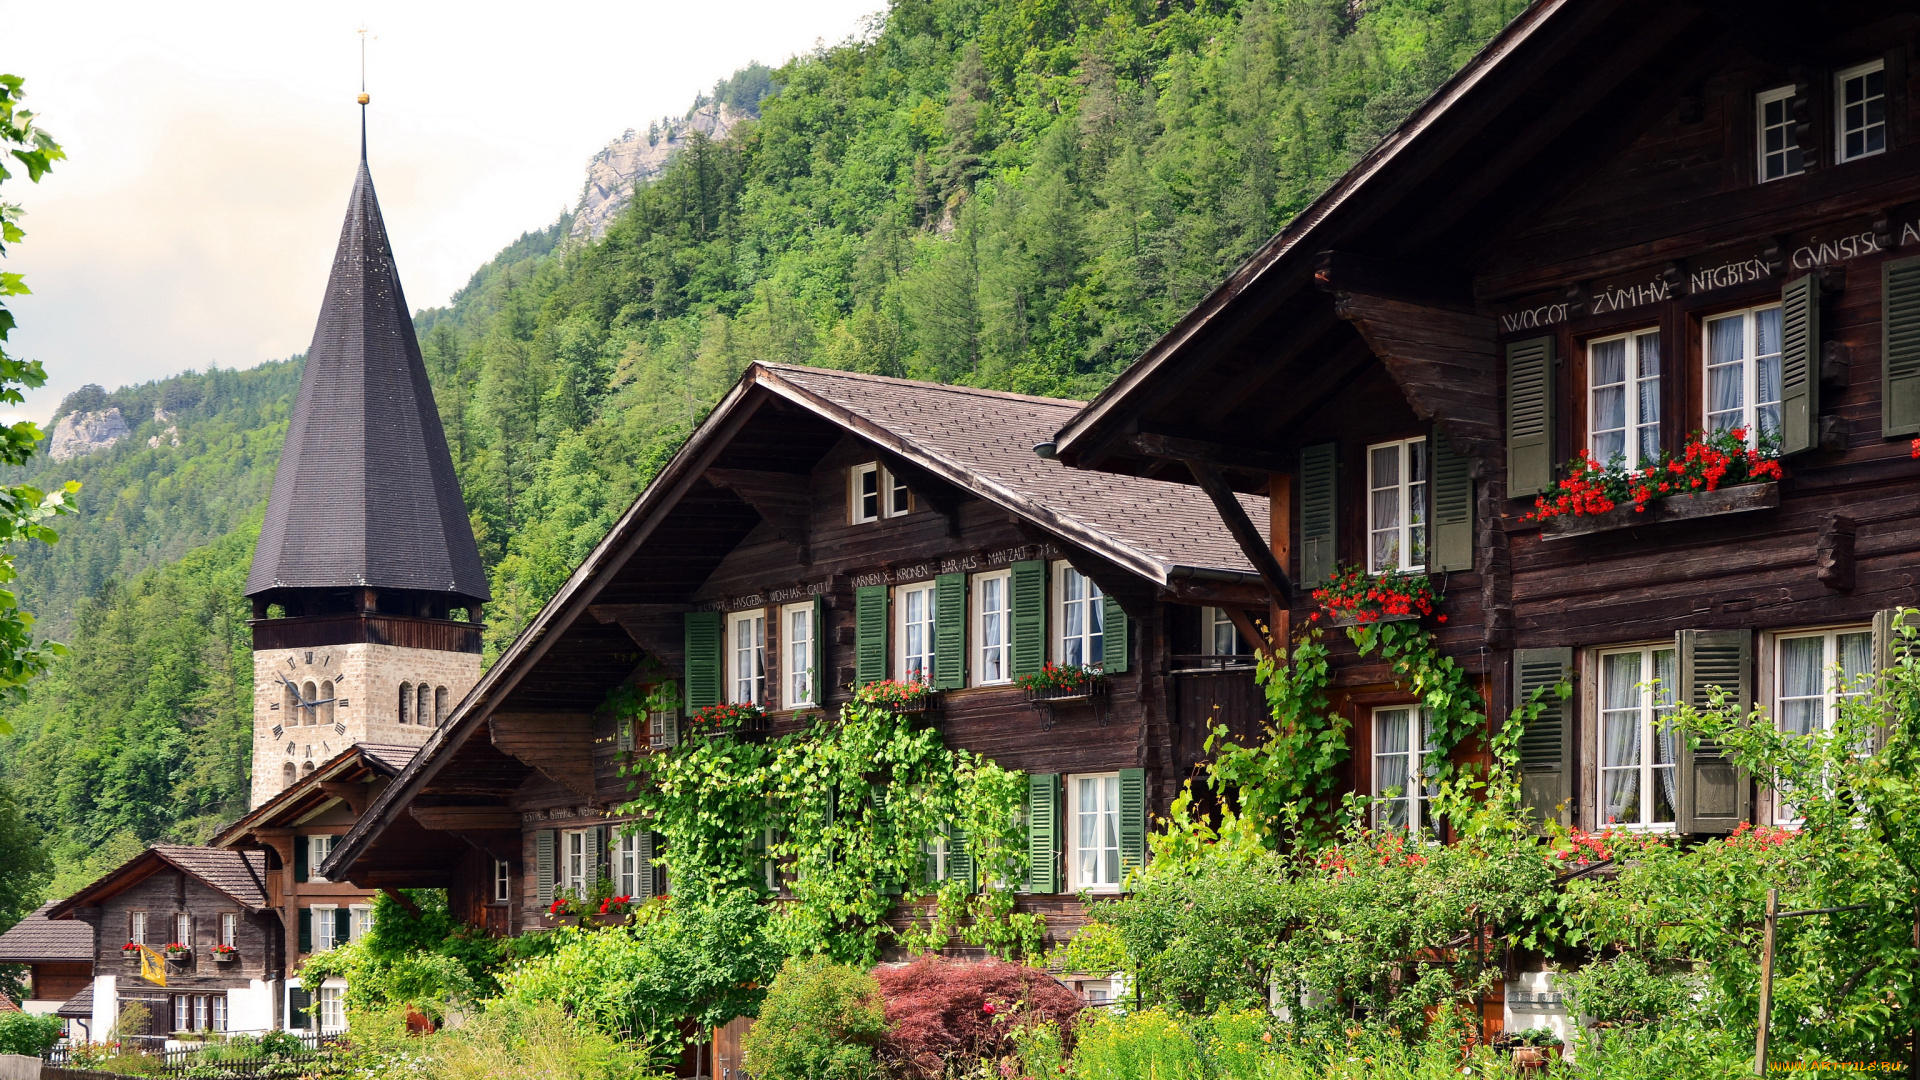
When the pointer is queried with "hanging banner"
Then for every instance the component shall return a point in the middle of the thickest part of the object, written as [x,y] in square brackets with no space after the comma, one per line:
[153,966]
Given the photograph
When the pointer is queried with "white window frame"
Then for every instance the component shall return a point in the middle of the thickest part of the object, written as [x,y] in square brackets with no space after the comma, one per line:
[139,928]
[575,873]
[626,855]
[183,1012]
[359,921]
[1094,613]
[1650,702]
[743,688]
[1779,94]
[1840,122]
[1078,881]
[329,1008]
[502,881]
[319,846]
[229,928]
[219,1004]
[910,665]
[938,851]
[1215,620]
[796,655]
[183,928]
[1631,387]
[1750,357]
[1831,690]
[1411,502]
[322,918]
[1418,797]
[898,497]
[857,495]
[988,654]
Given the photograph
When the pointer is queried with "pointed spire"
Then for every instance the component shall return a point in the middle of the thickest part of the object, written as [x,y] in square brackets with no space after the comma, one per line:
[366,494]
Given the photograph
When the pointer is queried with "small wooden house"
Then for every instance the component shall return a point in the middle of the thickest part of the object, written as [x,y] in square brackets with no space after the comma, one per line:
[58,956]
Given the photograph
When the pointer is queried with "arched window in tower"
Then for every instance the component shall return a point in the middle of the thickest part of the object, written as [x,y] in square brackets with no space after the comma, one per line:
[439,705]
[326,695]
[406,702]
[287,777]
[307,769]
[425,713]
[289,703]
[311,693]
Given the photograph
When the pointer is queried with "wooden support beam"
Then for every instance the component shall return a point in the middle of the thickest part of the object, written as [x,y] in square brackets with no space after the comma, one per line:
[781,499]
[403,900]
[1252,633]
[1444,361]
[1252,545]
[1217,455]
[465,818]
[1215,593]
[356,796]
[659,629]
[558,745]
[1280,542]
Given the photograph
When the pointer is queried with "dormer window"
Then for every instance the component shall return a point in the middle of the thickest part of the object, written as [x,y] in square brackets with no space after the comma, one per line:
[874,493]
[1860,104]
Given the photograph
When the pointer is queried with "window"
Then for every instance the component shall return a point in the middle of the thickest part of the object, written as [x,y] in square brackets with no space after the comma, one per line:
[1623,398]
[325,927]
[183,929]
[635,866]
[325,701]
[1095,819]
[424,713]
[229,928]
[1814,672]
[182,1012]
[440,705]
[1082,617]
[1399,756]
[311,693]
[219,1011]
[287,776]
[138,933]
[1637,752]
[577,870]
[1218,634]
[502,881]
[1743,372]
[361,922]
[406,702]
[938,850]
[318,848]
[1860,102]
[1778,144]
[1397,505]
[329,1008]
[873,493]
[914,604]
[797,620]
[992,628]
[747,656]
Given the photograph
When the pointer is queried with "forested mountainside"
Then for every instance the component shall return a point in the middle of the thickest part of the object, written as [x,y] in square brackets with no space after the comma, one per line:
[1008,193]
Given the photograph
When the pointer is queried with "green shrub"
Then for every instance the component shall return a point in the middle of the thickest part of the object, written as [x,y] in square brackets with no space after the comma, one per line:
[1150,1045]
[820,1021]
[507,1040]
[28,1033]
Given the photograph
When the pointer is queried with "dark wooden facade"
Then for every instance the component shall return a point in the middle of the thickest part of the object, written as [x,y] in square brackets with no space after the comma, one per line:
[752,517]
[1596,172]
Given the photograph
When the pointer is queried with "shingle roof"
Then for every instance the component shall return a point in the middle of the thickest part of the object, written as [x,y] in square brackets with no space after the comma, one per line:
[37,939]
[394,756]
[7,1005]
[388,759]
[990,435]
[366,493]
[79,1006]
[241,875]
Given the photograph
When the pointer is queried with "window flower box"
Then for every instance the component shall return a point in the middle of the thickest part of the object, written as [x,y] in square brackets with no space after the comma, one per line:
[906,698]
[1354,597]
[1063,683]
[178,952]
[224,954]
[739,720]
[1689,507]
[130,952]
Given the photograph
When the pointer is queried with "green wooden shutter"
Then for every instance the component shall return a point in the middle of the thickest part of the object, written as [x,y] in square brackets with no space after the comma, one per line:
[623,733]
[1452,507]
[299,1008]
[819,654]
[1713,793]
[1319,517]
[950,631]
[870,634]
[592,843]
[1800,365]
[1529,416]
[643,862]
[1116,637]
[703,632]
[301,871]
[1890,649]
[1043,833]
[1900,347]
[543,843]
[1546,746]
[1029,616]
[1133,820]
[342,925]
[960,857]
[306,929]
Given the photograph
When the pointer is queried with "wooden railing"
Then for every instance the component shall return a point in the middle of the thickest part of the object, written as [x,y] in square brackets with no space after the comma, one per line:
[404,631]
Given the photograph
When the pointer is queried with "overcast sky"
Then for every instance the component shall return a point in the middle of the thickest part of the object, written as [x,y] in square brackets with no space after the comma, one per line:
[211,147]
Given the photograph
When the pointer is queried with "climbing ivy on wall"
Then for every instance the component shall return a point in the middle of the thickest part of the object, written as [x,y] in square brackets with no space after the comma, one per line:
[847,811]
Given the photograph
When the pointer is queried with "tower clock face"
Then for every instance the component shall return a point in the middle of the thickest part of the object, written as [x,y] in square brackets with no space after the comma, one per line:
[294,672]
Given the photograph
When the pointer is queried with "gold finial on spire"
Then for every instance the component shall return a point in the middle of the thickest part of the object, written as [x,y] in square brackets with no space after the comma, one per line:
[363,98]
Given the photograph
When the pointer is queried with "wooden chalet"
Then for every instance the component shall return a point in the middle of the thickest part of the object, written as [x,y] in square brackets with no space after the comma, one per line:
[295,831]
[825,523]
[204,900]
[58,956]
[1622,223]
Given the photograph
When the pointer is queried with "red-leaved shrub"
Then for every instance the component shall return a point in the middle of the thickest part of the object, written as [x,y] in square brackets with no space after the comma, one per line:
[940,1010]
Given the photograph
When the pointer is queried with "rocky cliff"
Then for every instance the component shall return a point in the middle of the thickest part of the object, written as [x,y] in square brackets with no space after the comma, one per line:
[638,156]
[80,433]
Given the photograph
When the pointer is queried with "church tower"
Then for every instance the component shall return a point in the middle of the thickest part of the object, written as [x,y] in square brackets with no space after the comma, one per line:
[366,583]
